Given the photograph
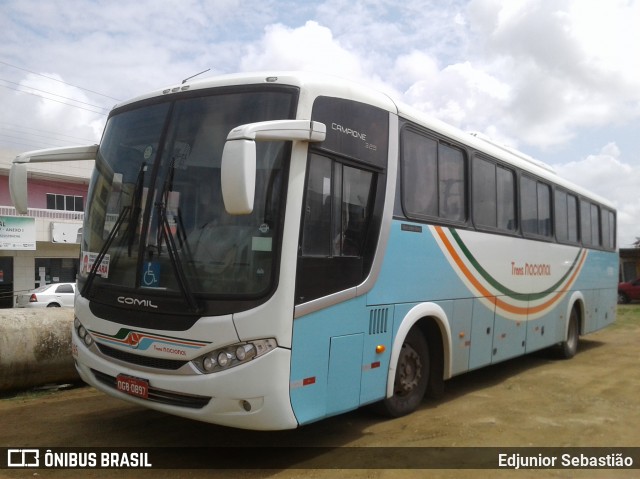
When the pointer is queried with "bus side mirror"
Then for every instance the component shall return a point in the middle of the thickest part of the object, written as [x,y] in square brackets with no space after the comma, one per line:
[238,175]
[18,187]
[238,169]
[18,173]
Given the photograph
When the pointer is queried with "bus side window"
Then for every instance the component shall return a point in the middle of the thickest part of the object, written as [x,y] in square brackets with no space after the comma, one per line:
[451,179]
[535,198]
[355,192]
[337,209]
[317,209]
[608,229]
[433,179]
[420,175]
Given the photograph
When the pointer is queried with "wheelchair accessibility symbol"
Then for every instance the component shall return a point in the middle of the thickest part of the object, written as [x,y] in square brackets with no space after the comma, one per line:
[151,274]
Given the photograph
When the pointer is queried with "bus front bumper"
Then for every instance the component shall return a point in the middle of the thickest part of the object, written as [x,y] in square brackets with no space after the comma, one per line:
[251,396]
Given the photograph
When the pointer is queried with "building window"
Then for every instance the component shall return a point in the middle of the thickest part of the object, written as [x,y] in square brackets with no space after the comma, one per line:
[65,202]
[55,270]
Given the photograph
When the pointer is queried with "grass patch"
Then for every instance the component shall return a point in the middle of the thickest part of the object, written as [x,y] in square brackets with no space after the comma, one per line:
[38,392]
[628,315]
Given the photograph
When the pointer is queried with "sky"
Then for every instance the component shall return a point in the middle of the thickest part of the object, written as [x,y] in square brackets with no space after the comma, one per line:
[556,79]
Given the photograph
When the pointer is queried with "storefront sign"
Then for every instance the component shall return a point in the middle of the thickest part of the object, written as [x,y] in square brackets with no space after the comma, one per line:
[66,232]
[17,233]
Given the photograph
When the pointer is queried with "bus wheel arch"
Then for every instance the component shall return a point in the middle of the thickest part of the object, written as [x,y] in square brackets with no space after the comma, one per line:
[425,331]
[411,376]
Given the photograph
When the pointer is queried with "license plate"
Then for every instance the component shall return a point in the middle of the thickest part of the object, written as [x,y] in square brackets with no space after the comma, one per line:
[133,386]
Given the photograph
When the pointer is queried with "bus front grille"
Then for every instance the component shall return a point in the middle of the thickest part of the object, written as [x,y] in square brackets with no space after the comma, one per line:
[159,363]
[160,395]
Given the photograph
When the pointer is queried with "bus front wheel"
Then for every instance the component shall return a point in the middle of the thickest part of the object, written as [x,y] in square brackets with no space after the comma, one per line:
[412,376]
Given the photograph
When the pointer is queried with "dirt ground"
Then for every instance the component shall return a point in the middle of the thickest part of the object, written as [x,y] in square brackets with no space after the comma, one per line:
[537,400]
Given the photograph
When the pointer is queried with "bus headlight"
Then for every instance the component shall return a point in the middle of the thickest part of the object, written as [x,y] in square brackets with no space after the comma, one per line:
[82,332]
[224,359]
[233,355]
[208,364]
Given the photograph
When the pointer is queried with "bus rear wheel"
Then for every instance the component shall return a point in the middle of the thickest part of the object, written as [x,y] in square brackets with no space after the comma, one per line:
[569,347]
[412,376]
[623,298]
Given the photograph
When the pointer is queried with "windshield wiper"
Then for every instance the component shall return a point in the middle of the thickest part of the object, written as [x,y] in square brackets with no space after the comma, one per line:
[164,231]
[183,283]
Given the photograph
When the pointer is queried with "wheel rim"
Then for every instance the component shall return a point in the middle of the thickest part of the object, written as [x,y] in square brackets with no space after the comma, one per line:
[409,371]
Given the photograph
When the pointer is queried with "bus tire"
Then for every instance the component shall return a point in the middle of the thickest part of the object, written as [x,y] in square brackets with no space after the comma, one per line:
[623,298]
[412,376]
[569,347]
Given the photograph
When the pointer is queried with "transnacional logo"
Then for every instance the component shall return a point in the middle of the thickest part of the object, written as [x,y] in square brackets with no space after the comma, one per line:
[133,339]
[143,341]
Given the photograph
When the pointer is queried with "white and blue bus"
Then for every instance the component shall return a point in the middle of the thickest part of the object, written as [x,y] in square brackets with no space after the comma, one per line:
[264,251]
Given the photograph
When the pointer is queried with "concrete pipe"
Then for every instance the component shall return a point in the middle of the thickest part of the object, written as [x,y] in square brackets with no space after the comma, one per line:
[35,348]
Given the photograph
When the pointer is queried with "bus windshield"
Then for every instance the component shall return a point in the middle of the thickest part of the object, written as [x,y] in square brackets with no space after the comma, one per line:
[155,218]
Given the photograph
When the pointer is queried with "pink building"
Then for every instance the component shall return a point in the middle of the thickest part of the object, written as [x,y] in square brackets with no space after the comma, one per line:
[57,198]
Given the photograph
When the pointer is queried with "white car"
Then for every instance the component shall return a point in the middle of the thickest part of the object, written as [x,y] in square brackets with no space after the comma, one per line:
[53,295]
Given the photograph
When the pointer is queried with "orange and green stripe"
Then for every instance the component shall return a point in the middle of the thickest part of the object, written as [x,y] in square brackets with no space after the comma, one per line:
[495,292]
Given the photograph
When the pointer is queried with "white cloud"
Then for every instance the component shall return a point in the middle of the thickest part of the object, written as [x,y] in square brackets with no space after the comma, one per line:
[413,68]
[39,115]
[311,47]
[461,95]
[571,64]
